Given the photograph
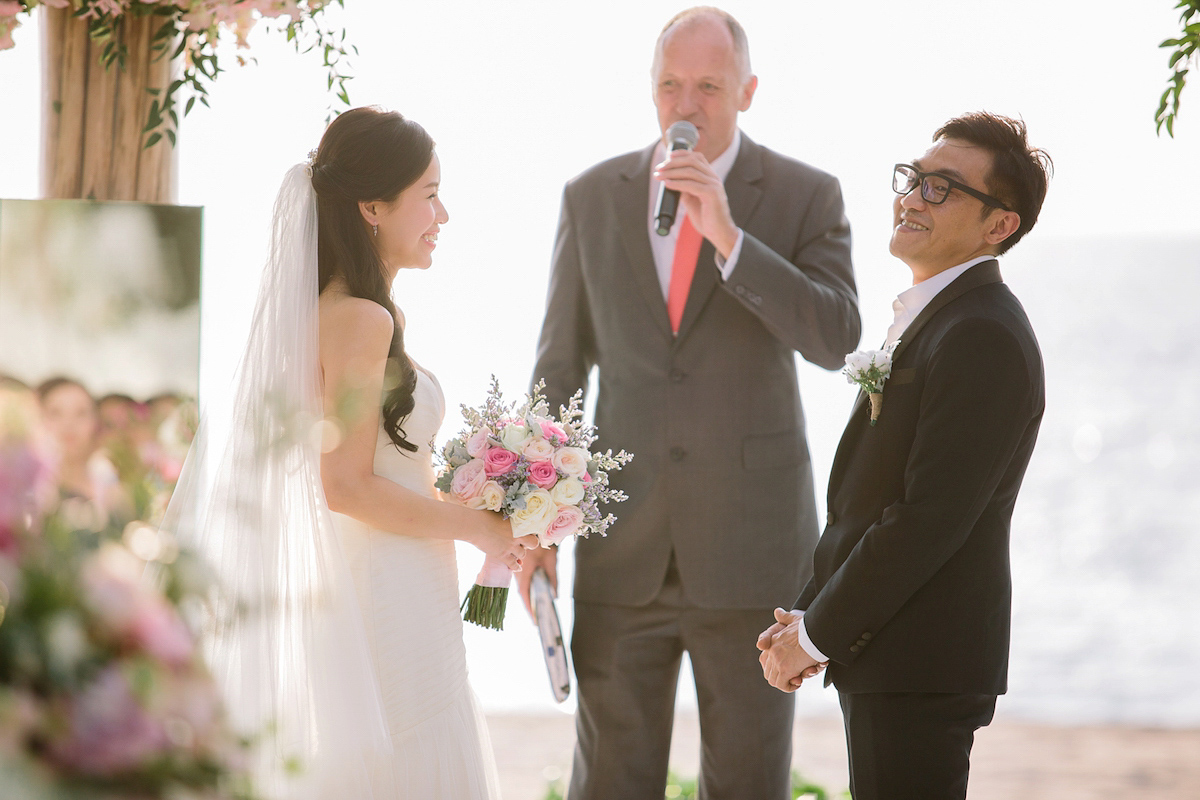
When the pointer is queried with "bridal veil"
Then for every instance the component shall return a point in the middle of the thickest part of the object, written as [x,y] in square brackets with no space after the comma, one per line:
[284,637]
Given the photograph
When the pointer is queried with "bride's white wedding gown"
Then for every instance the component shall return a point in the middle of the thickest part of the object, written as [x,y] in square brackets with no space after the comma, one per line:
[408,592]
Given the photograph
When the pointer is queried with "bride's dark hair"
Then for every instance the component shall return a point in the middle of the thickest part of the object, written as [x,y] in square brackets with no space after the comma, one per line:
[367,154]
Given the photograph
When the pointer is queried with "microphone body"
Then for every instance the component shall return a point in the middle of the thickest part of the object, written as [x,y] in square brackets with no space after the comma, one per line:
[681,135]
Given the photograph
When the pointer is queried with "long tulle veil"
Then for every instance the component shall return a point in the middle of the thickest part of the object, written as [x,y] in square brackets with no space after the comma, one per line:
[283,636]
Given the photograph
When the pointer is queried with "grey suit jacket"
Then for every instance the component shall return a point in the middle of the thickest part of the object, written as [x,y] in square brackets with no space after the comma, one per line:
[721,473]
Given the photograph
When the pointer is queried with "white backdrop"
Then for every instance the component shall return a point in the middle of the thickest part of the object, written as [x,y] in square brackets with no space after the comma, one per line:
[522,96]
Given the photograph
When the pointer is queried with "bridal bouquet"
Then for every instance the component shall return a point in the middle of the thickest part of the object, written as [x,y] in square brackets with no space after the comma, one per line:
[538,471]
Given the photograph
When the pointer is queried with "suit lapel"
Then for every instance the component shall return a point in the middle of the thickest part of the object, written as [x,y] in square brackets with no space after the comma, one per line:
[979,275]
[632,196]
[743,199]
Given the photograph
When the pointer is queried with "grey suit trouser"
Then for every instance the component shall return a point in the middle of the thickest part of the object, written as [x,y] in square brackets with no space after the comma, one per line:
[627,664]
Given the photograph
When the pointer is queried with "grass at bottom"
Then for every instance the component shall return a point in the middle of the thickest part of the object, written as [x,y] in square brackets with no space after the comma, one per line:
[686,789]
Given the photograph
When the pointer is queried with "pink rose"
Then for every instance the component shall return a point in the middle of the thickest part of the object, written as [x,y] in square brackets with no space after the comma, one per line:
[10,8]
[543,474]
[468,480]
[565,523]
[498,461]
[477,444]
[553,431]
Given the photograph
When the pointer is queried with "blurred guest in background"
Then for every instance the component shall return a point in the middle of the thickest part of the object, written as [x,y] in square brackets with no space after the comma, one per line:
[71,421]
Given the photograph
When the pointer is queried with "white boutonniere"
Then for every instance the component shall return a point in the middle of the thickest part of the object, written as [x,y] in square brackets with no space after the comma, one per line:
[869,369]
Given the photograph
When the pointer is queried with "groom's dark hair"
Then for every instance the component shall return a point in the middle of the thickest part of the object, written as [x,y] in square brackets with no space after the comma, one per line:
[368,154]
[1020,173]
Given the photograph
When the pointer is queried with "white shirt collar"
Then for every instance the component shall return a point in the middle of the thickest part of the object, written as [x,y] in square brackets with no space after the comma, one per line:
[912,301]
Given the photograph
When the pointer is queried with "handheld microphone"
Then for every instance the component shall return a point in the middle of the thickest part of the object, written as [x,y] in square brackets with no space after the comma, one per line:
[682,135]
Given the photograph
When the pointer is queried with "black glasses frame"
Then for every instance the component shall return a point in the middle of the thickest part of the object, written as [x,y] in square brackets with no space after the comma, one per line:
[927,189]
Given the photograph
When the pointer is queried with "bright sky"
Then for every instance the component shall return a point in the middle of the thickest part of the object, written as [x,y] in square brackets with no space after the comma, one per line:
[522,96]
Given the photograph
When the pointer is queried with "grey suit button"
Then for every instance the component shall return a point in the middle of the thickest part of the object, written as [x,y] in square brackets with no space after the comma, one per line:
[677,453]
[854,648]
[739,289]
[676,375]
[862,642]
[867,636]
[830,518]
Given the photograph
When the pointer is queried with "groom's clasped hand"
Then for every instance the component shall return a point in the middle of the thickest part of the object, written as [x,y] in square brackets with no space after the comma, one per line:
[785,663]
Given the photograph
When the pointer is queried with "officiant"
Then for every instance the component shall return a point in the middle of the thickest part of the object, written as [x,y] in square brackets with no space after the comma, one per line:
[694,335]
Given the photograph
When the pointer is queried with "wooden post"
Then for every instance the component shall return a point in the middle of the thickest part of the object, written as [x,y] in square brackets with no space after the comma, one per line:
[93,117]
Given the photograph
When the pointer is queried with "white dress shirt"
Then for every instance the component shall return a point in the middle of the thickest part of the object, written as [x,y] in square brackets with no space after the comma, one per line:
[911,302]
[663,247]
[907,306]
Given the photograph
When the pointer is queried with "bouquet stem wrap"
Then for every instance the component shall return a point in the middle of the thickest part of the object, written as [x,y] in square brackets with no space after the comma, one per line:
[486,601]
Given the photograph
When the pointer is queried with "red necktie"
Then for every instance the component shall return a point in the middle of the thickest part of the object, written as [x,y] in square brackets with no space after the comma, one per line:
[683,267]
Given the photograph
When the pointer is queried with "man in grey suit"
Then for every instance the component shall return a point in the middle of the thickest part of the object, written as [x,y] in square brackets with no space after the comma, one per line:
[694,337]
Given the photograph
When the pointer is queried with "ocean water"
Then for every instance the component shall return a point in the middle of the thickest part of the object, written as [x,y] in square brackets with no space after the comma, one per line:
[1105,542]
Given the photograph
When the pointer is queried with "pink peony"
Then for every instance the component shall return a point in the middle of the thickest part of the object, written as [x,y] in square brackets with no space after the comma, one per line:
[543,474]
[112,587]
[10,8]
[477,444]
[499,461]
[162,634]
[566,522]
[108,731]
[468,480]
[552,431]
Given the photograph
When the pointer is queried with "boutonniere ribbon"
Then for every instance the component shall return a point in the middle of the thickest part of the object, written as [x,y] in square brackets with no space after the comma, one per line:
[869,369]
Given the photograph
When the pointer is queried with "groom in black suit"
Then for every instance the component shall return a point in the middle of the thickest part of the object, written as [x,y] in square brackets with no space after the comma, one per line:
[909,603]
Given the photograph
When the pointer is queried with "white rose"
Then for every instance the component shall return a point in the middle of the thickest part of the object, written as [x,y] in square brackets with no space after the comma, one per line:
[539,511]
[883,360]
[859,361]
[572,460]
[567,492]
[539,450]
[514,437]
[492,496]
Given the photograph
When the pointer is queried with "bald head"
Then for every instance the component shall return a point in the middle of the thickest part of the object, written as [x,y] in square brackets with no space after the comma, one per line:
[706,16]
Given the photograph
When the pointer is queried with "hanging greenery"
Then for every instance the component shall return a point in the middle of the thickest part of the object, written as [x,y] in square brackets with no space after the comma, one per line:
[190,31]
[1183,55]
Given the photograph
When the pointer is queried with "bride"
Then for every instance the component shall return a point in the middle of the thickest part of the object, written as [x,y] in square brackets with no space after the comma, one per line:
[336,633]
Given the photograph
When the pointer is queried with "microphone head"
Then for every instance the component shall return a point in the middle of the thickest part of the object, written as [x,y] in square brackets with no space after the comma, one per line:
[682,135]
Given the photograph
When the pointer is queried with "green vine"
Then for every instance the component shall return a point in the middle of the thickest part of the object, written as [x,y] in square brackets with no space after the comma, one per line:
[1183,55]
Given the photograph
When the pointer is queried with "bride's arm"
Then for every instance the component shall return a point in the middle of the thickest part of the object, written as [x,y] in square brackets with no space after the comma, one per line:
[355,337]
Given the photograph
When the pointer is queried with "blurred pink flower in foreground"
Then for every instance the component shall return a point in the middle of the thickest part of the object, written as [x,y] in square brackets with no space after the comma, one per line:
[108,730]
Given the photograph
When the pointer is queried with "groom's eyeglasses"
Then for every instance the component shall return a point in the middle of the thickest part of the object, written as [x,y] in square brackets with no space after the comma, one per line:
[935,187]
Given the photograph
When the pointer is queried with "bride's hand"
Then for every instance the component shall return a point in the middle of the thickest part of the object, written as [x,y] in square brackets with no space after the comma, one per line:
[494,538]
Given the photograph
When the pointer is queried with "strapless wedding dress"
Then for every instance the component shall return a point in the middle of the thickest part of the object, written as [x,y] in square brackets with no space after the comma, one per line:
[408,591]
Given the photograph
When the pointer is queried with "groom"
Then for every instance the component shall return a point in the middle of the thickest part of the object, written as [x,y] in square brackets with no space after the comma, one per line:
[909,602]
[695,351]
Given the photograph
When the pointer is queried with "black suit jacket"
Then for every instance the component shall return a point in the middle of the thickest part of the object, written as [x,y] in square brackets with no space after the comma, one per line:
[721,474]
[911,587]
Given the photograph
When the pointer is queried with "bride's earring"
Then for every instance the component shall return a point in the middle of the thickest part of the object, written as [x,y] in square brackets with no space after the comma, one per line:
[375,230]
